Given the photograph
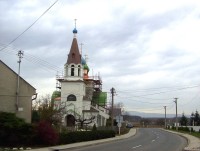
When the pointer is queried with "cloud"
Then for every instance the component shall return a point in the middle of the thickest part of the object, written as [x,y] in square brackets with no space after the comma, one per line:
[133,45]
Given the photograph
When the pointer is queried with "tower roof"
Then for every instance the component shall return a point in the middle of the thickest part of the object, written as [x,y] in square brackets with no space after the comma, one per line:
[74,55]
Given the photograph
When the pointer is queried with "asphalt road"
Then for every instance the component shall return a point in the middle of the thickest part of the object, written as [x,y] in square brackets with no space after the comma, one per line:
[146,139]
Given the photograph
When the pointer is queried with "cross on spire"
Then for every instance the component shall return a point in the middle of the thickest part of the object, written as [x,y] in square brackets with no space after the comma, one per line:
[75,23]
[75,31]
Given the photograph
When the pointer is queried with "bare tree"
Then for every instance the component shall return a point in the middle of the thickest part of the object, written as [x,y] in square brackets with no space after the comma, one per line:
[84,121]
[47,111]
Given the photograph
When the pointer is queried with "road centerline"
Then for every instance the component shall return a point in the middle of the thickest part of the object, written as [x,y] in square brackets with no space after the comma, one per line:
[136,146]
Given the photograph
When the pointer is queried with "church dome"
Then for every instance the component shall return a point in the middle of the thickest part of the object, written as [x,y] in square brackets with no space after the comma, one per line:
[75,31]
[83,62]
[85,67]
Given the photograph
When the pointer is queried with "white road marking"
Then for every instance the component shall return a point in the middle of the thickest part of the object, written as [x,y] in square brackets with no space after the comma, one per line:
[153,140]
[137,146]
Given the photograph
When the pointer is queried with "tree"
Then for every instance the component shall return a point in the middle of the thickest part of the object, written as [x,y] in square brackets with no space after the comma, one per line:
[160,122]
[44,110]
[196,118]
[192,119]
[183,121]
[84,121]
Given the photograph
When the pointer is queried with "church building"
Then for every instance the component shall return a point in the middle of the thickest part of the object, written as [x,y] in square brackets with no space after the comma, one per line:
[81,94]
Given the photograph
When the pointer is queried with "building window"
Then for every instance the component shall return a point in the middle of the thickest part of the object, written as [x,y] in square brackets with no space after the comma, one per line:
[79,70]
[71,97]
[72,70]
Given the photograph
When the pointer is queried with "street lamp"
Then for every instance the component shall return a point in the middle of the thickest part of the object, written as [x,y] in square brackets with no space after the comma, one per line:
[192,116]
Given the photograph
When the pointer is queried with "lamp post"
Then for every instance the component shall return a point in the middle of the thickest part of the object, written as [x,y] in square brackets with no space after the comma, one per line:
[165,117]
[192,116]
[176,114]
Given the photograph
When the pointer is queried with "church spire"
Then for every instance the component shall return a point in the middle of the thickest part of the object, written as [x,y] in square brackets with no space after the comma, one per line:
[75,31]
[74,55]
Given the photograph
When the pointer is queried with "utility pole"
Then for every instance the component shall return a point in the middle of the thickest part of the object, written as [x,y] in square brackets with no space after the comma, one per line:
[176,114]
[20,55]
[165,117]
[112,90]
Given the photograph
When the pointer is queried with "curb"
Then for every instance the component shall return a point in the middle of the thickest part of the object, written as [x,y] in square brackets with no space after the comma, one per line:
[193,142]
[132,132]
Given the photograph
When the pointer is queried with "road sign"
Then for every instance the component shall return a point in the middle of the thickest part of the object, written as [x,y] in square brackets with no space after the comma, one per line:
[119,124]
[119,119]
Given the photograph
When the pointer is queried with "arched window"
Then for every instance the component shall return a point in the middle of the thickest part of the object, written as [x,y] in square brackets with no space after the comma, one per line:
[72,70]
[71,97]
[79,70]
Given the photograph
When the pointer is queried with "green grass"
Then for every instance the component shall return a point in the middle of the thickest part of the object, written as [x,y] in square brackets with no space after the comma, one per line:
[196,134]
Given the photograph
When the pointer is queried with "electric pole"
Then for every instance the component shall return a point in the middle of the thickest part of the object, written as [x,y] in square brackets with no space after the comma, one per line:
[176,114]
[20,55]
[112,90]
[165,117]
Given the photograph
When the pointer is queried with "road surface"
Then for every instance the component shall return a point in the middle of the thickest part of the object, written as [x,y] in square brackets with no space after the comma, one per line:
[146,139]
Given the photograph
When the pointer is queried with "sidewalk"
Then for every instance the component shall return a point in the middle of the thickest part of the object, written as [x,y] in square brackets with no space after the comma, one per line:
[193,142]
[75,145]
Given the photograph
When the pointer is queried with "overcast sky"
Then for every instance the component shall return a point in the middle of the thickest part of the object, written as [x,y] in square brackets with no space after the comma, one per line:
[149,51]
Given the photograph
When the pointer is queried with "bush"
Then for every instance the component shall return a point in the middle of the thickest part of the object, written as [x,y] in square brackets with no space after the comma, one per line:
[79,136]
[45,134]
[14,131]
[186,129]
[94,128]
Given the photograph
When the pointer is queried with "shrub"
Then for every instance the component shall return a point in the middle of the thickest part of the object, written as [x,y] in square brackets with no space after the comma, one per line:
[14,131]
[94,128]
[79,136]
[46,135]
[186,129]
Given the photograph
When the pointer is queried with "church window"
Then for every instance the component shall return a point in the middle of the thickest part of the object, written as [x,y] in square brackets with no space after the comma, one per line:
[71,97]
[79,70]
[72,70]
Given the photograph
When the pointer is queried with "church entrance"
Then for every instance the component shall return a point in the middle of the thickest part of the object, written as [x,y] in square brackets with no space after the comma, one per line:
[70,120]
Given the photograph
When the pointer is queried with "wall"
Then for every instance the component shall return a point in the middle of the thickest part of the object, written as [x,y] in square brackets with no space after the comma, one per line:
[75,88]
[8,88]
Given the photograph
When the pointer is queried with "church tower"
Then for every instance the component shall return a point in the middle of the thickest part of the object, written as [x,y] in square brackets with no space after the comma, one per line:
[72,84]
[73,67]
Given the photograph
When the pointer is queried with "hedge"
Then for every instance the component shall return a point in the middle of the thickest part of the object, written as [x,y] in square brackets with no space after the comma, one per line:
[80,136]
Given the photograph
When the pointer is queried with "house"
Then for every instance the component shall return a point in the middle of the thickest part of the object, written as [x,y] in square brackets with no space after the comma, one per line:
[81,94]
[20,104]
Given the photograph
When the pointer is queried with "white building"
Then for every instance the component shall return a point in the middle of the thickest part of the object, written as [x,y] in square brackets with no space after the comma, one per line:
[81,94]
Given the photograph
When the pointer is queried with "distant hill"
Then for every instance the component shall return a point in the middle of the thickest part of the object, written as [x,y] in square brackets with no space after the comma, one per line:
[150,115]
[131,118]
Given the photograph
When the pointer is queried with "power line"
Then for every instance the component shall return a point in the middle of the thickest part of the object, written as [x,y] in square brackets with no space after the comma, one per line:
[35,60]
[167,91]
[155,89]
[147,102]
[29,26]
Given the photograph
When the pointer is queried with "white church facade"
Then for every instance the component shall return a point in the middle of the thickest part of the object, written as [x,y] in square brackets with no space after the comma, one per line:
[81,94]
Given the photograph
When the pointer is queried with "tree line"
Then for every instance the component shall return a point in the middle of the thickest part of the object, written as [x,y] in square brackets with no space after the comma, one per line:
[193,120]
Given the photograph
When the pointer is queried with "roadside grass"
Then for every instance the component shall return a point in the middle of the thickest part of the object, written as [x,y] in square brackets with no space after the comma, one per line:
[196,134]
